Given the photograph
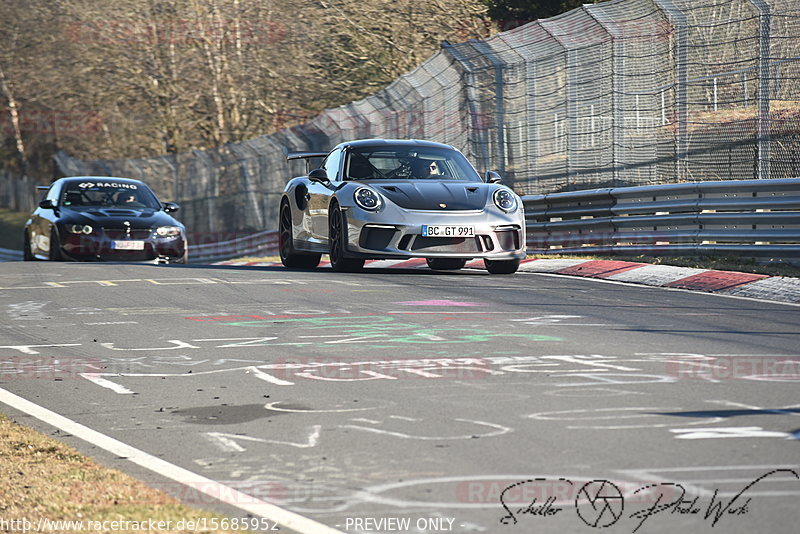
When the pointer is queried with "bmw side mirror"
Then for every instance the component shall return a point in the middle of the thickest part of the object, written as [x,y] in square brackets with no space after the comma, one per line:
[319,176]
[171,207]
[47,204]
[493,178]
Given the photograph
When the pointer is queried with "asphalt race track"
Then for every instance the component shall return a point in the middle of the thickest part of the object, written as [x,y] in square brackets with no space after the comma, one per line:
[414,401]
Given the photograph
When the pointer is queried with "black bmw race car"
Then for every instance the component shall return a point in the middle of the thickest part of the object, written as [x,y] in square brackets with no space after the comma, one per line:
[99,218]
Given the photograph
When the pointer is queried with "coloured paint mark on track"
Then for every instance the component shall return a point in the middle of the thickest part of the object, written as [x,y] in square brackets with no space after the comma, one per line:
[383,329]
[715,280]
[289,370]
[600,268]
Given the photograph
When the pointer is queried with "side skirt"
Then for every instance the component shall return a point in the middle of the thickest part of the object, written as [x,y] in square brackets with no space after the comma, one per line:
[310,246]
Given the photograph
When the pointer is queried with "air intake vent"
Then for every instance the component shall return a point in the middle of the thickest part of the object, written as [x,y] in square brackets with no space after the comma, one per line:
[121,212]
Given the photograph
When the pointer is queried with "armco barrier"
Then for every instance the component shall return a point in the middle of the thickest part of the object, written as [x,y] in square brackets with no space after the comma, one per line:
[10,255]
[260,243]
[750,218]
[754,218]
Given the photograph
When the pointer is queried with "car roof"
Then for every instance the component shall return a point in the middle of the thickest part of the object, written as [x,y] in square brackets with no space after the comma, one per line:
[395,142]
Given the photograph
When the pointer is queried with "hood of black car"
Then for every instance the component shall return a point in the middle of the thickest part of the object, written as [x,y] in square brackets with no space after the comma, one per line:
[435,195]
[115,217]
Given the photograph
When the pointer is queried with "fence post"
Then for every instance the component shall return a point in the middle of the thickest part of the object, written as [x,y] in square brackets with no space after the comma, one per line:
[500,109]
[764,18]
[678,20]
[612,28]
[472,97]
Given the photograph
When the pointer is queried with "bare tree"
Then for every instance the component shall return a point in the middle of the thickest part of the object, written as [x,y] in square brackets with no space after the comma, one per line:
[147,77]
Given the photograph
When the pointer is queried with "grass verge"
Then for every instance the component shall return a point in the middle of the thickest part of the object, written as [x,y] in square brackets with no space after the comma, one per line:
[11,225]
[43,478]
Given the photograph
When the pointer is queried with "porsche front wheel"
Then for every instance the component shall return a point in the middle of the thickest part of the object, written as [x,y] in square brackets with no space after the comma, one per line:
[501,266]
[337,237]
[289,257]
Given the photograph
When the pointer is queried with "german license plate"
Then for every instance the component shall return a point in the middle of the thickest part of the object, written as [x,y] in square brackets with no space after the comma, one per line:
[439,230]
[127,245]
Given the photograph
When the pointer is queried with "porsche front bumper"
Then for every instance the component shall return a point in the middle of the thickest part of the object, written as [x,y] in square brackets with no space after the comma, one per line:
[397,233]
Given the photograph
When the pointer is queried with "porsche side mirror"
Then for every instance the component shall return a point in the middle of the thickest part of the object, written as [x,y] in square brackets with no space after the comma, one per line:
[493,178]
[171,207]
[319,176]
[47,204]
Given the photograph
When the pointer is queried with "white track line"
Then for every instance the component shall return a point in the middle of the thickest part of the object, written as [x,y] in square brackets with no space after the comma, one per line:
[216,490]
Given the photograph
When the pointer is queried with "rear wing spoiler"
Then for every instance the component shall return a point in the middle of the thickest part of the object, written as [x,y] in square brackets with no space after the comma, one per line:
[306,156]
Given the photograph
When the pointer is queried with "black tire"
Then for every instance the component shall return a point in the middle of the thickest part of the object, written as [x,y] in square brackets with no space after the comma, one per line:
[27,255]
[337,237]
[54,254]
[501,266]
[289,257]
[446,264]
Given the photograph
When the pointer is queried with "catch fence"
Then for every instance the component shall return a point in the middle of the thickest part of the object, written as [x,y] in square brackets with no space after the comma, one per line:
[616,94]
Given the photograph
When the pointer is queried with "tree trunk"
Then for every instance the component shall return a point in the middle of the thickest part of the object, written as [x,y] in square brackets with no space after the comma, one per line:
[13,111]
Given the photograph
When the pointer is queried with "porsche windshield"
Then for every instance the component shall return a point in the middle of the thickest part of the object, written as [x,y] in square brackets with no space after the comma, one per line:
[108,194]
[408,163]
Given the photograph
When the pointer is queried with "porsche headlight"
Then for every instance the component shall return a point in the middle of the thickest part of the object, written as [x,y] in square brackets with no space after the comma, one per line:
[79,229]
[168,231]
[367,199]
[505,200]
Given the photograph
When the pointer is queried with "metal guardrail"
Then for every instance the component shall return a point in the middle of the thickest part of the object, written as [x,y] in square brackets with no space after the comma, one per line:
[260,243]
[753,218]
[10,255]
[750,218]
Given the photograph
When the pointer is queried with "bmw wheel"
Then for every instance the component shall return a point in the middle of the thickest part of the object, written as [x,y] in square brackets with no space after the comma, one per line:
[446,264]
[337,238]
[289,257]
[501,266]
[27,255]
[54,254]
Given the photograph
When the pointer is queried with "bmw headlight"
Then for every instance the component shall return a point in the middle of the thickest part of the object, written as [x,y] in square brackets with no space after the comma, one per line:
[367,199]
[505,200]
[79,229]
[168,231]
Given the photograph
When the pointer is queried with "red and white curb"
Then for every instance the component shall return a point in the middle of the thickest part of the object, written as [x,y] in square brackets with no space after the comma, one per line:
[757,286]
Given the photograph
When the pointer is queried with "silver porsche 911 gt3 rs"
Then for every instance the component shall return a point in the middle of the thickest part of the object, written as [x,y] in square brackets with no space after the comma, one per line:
[385,199]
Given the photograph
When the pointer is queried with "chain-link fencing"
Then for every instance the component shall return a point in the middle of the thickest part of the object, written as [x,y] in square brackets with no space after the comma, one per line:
[621,93]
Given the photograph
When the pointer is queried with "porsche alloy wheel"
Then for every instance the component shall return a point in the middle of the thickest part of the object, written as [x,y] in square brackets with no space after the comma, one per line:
[501,266]
[289,257]
[336,238]
[446,264]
